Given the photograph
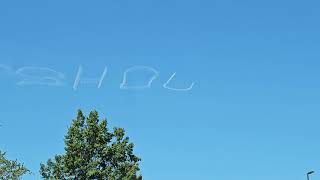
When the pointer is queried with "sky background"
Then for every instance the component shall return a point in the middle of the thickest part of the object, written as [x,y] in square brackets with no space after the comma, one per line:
[253,112]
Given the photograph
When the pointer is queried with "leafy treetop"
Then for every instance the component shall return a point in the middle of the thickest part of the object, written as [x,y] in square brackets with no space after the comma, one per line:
[92,152]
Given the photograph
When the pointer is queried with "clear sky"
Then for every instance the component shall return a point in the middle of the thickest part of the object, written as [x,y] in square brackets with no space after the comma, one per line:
[252,114]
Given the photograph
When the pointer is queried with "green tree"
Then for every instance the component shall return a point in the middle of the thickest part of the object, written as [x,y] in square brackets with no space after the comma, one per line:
[92,152]
[11,169]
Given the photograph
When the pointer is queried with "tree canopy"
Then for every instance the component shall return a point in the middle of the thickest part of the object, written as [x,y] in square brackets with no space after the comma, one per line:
[10,169]
[92,152]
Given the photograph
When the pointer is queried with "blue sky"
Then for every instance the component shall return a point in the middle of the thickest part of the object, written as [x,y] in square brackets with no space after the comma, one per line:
[253,112]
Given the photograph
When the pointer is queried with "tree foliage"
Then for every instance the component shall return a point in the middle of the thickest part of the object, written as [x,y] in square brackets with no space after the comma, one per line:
[92,152]
[11,169]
